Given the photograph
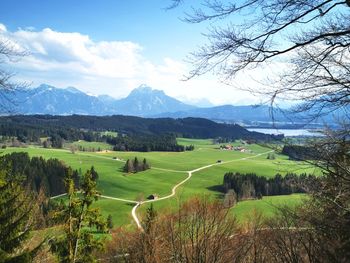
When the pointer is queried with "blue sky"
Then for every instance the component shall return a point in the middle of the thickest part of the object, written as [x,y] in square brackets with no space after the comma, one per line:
[110,47]
[145,22]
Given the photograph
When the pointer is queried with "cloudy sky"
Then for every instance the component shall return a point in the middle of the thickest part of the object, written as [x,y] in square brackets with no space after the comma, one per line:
[111,47]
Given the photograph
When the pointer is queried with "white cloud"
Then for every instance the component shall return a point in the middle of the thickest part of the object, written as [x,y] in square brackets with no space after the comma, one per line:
[111,67]
[3,28]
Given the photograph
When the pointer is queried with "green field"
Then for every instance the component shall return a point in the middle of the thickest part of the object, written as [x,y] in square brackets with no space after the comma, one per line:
[266,206]
[89,146]
[170,168]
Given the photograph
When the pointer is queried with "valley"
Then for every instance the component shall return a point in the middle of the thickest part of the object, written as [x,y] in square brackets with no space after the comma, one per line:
[175,131]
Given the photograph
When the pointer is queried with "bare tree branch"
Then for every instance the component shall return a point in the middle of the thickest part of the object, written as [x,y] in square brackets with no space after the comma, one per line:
[311,38]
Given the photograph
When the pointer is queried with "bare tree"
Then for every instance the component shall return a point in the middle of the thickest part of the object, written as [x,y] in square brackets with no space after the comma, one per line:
[9,51]
[201,231]
[311,38]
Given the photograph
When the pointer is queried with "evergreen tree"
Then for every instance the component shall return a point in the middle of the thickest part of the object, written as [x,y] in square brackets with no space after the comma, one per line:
[94,174]
[110,222]
[128,167]
[145,165]
[16,207]
[77,243]
[136,165]
[271,156]
[151,215]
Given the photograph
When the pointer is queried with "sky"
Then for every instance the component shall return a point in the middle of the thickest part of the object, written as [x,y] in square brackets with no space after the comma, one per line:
[113,46]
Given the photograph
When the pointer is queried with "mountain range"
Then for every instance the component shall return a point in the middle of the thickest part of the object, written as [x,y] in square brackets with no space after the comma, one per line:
[142,101]
[46,99]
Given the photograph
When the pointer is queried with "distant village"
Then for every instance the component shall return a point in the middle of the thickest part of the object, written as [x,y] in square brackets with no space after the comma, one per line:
[239,148]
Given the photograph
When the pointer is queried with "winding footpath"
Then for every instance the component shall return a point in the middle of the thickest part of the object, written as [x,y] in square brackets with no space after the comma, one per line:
[173,190]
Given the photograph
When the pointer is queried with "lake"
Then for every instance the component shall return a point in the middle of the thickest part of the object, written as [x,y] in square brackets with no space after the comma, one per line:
[287,132]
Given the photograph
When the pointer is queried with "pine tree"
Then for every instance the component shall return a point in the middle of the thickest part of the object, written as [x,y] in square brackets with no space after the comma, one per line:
[136,165]
[94,173]
[129,167]
[271,156]
[145,165]
[77,243]
[110,222]
[16,207]
[151,215]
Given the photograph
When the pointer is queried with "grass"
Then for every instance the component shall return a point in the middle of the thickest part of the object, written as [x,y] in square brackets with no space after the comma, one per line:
[114,182]
[267,206]
[89,146]
[120,211]
[109,133]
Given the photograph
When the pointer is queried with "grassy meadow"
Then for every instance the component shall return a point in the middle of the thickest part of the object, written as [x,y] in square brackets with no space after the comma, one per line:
[170,168]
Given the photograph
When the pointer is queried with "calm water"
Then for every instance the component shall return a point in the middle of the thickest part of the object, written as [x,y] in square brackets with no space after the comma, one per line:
[287,132]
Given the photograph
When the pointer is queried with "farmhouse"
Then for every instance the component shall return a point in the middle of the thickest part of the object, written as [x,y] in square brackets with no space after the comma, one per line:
[233,148]
[153,197]
[226,147]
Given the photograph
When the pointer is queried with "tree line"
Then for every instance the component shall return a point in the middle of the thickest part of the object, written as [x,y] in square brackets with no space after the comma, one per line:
[300,152]
[27,133]
[248,186]
[39,174]
[145,143]
[75,127]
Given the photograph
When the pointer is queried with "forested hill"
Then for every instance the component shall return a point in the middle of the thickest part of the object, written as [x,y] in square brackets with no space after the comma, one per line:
[187,127]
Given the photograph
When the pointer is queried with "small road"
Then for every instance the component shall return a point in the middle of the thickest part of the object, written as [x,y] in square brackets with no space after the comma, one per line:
[173,190]
[119,199]
[58,196]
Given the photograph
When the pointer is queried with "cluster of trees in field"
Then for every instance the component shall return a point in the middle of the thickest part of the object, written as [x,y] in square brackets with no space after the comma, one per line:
[39,174]
[145,143]
[248,186]
[189,147]
[134,166]
[300,152]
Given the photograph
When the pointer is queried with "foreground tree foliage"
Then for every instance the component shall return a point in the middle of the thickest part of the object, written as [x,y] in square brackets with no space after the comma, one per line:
[9,51]
[199,232]
[79,218]
[204,231]
[17,207]
[329,210]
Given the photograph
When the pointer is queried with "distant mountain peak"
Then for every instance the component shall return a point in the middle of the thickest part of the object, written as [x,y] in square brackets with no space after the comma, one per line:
[73,90]
[144,86]
[145,90]
[145,101]
[45,86]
